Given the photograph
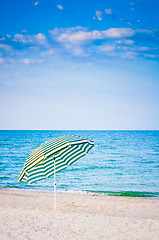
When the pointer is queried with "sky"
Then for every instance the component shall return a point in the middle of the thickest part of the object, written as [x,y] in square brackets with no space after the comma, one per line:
[88,64]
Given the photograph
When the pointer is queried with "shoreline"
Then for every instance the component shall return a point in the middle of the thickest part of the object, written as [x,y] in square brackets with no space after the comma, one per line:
[30,215]
[133,194]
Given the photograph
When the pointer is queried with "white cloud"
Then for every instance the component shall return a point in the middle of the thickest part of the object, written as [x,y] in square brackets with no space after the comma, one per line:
[24,30]
[125,41]
[144,48]
[79,41]
[57,31]
[151,55]
[21,38]
[133,9]
[107,48]
[60,7]
[129,23]
[14,40]
[6,47]
[83,36]
[25,60]
[144,31]
[119,32]
[8,36]
[119,41]
[138,20]
[30,61]
[75,40]
[40,38]
[79,52]
[129,55]
[132,3]
[48,53]
[129,42]
[36,3]
[7,50]
[2,39]
[1,60]
[30,39]
[108,11]
[6,61]
[98,15]
[125,47]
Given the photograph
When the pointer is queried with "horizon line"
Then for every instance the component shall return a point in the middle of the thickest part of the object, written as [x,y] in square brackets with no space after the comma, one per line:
[79,129]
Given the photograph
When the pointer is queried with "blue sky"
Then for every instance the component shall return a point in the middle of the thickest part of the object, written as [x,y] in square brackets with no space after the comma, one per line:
[79,64]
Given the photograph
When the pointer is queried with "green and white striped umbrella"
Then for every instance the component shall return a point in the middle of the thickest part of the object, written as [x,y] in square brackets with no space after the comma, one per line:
[54,156]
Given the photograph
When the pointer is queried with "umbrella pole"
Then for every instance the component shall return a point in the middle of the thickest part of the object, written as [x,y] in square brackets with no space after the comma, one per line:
[54,189]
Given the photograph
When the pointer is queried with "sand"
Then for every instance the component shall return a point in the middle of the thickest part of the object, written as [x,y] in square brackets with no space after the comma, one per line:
[29,215]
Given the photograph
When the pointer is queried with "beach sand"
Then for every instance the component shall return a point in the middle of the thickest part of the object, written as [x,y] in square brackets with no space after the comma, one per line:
[29,215]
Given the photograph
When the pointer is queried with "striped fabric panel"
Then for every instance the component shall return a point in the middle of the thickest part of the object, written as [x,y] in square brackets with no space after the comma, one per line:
[39,154]
[46,168]
[34,156]
[54,145]
[76,139]
[64,158]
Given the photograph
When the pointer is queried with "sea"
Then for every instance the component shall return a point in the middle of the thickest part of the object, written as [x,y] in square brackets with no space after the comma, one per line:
[122,163]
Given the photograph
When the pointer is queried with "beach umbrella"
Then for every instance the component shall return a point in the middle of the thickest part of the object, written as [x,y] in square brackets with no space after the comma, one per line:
[54,156]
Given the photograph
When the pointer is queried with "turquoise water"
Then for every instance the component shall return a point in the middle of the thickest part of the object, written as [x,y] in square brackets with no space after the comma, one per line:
[121,163]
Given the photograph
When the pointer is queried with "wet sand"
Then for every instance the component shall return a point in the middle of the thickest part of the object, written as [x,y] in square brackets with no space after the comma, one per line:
[29,215]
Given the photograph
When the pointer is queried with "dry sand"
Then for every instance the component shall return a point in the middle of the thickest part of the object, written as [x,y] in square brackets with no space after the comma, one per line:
[30,215]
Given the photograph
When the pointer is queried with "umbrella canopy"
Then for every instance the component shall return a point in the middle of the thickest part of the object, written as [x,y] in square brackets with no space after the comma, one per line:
[54,156]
